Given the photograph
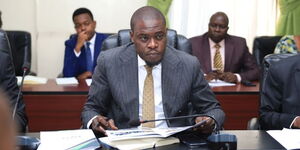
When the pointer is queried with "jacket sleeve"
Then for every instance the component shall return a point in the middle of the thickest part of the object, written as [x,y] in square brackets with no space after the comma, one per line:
[11,89]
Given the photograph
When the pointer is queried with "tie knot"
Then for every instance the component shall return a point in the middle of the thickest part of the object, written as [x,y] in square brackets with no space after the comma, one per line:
[217,46]
[148,69]
[88,44]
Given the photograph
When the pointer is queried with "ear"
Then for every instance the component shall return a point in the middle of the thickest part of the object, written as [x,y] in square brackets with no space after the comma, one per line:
[131,35]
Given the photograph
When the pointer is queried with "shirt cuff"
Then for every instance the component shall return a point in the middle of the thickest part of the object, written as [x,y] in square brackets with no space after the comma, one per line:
[293,122]
[77,54]
[239,79]
[90,122]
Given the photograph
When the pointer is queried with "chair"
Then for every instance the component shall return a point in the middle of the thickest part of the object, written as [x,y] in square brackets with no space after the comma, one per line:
[264,45]
[20,43]
[269,60]
[123,37]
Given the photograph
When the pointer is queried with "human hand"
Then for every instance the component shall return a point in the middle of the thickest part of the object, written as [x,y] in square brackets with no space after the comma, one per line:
[228,77]
[100,124]
[84,75]
[82,37]
[207,127]
[296,123]
[214,75]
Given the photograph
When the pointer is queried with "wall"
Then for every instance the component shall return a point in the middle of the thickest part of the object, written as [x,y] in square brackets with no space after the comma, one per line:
[50,24]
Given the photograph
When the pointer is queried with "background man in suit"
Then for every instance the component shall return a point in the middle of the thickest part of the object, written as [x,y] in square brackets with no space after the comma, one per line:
[233,61]
[120,82]
[280,104]
[82,49]
[8,83]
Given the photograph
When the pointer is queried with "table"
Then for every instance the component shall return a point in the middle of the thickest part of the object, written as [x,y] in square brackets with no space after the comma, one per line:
[57,107]
[240,103]
[246,139]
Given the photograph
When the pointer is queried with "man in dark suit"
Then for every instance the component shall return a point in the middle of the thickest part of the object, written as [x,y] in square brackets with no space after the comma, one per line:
[8,83]
[280,104]
[235,61]
[82,49]
[120,90]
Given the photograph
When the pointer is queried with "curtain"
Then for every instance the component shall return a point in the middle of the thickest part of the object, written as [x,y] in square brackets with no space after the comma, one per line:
[162,5]
[247,18]
[289,20]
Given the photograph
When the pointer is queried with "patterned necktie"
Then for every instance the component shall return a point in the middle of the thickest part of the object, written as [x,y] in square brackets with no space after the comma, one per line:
[89,62]
[148,110]
[218,65]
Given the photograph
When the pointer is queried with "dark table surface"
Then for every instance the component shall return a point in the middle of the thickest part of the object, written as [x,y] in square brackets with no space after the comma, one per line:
[246,140]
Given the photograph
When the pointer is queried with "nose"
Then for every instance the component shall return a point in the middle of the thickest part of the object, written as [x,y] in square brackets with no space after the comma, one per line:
[152,43]
[217,28]
[82,27]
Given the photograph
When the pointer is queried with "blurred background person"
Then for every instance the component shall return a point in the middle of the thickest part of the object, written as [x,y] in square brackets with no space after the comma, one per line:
[82,49]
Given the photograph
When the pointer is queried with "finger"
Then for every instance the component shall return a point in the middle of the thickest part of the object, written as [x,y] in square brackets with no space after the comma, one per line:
[112,125]
[102,121]
[96,127]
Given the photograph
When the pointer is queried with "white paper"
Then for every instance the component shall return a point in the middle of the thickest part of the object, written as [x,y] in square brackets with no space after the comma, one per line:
[88,82]
[137,144]
[64,139]
[63,81]
[288,138]
[139,133]
[217,83]
[32,80]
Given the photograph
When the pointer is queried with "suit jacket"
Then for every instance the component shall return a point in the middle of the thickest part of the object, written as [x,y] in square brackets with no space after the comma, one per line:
[280,102]
[114,91]
[8,83]
[237,56]
[74,66]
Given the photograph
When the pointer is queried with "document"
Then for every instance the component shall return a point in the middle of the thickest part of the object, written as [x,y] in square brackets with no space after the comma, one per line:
[288,138]
[139,133]
[64,81]
[64,139]
[217,83]
[32,80]
[138,144]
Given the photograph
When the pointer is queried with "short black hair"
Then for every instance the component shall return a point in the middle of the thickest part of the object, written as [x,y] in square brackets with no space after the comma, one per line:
[82,10]
[146,12]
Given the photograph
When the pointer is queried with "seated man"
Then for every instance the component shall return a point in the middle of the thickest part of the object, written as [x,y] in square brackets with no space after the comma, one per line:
[223,56]
[82,50]
[280,103]
[146,79]
[8,83]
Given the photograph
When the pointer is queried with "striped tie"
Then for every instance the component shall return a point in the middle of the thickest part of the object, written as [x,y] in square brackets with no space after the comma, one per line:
[218,65]
[148,110]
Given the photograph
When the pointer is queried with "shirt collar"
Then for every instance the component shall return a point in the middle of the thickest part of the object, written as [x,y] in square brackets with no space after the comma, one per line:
[142,63]
[212,43]
[92,40]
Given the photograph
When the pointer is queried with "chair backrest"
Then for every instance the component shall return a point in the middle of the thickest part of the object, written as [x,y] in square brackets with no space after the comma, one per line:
[20,43]
[268,61]
[123,37]
[264,45]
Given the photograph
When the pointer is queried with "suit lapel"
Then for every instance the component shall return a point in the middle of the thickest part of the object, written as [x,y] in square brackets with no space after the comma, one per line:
[129,79]
[97,48]
[171,78]
[229,49]
[206,55]
[297,79]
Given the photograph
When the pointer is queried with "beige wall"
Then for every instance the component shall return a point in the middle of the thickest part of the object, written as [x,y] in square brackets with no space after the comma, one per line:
[50,24]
